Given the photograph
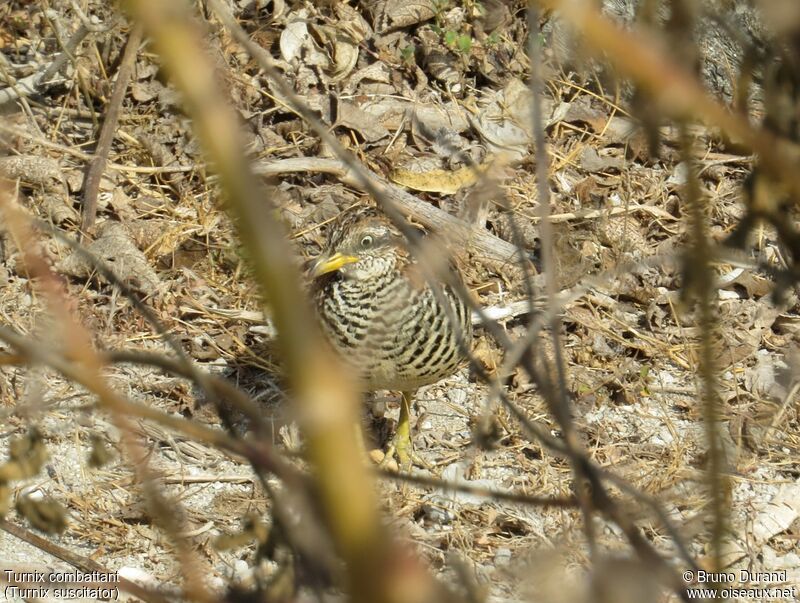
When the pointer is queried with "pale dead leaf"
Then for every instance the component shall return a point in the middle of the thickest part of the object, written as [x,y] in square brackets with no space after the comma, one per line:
[115,247]
[438,181]
[397,14]
[768,520]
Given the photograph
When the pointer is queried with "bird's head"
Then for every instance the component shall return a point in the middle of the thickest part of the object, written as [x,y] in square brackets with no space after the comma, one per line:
[362,244]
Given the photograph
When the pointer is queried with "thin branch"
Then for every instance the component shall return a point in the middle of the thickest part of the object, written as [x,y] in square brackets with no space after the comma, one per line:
[488,493]
[325,401]
[553,387]
[700,284]
[484,244]
[96,167]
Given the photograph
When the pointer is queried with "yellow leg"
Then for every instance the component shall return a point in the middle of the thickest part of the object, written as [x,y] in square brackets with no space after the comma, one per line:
[402,438]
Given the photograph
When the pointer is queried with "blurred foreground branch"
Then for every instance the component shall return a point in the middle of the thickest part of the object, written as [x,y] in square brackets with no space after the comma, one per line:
[377,569]
[675,91]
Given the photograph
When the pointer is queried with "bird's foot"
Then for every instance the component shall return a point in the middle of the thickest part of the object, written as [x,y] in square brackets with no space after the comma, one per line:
[400,453]
[400,450]
[395,460]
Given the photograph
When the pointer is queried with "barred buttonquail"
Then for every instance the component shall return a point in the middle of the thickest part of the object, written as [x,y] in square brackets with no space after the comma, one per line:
[380,314]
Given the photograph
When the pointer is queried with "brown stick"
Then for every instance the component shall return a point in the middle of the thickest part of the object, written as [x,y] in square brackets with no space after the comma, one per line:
[484,244]
[97,166]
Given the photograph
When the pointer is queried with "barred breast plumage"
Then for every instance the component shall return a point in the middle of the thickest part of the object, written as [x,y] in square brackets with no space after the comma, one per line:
[382,317]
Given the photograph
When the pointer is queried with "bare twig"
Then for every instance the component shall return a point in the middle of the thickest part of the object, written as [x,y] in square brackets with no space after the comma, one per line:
[487,493]
[555,394]
[700,284]
[96,167]
[484,244]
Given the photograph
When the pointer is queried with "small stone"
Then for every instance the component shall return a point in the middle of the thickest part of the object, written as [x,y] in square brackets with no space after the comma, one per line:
[437,513]
[502,556]
[457,396]
[240,567]
[679,175]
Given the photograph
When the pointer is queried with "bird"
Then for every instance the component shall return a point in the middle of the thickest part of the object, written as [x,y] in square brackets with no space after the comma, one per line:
[382,317]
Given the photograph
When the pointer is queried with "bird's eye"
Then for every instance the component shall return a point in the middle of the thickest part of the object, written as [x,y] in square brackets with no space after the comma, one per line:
[367,241]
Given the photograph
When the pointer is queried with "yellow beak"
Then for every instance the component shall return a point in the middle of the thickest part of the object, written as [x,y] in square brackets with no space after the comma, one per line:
[333,263]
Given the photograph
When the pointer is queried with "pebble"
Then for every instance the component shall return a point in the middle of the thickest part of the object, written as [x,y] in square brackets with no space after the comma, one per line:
[435,513]
[502,556]
[240,568]
[457,396]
